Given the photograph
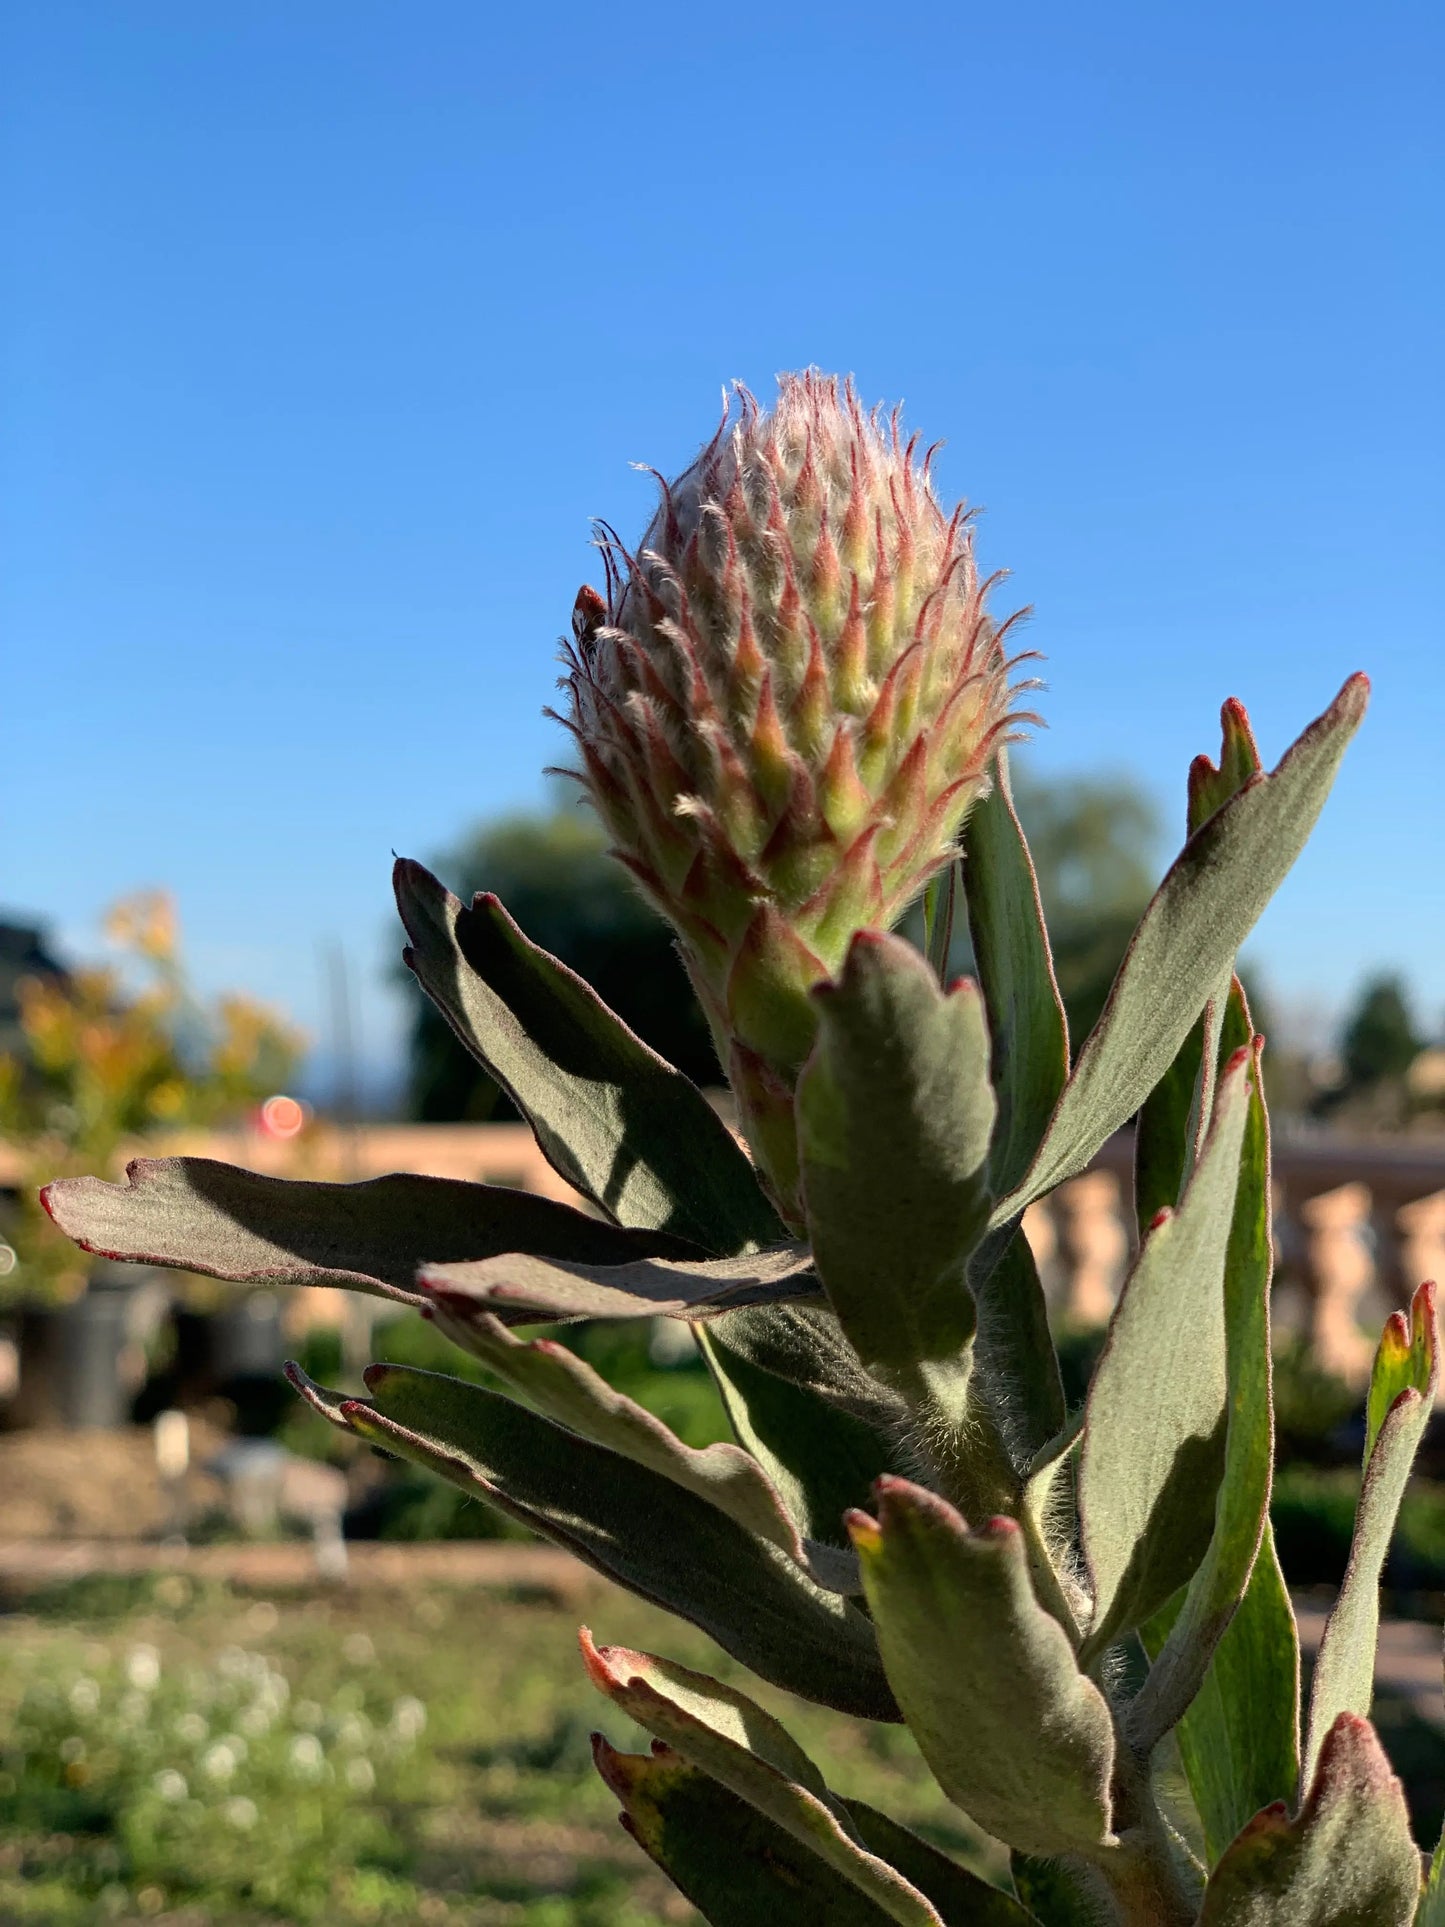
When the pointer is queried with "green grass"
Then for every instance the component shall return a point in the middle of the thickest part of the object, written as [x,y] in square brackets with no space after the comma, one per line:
[124,1795]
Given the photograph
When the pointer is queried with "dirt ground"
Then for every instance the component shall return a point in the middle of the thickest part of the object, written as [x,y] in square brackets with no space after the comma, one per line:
[97,1485]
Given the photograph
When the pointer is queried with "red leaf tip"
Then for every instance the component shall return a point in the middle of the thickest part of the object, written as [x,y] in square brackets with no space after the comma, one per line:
[595,1660]
[999,1527]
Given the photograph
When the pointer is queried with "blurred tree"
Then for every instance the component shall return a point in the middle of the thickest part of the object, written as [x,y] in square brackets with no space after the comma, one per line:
[1093,841]
[99,1065]
[554,875]
[1378,1041]
[24,957]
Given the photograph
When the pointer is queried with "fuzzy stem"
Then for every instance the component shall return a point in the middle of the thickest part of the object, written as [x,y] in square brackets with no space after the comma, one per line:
[1050,1589]
[1150,1878]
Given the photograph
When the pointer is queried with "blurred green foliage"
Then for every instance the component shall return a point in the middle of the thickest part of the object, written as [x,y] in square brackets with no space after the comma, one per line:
[1379,1040]
[1094,842]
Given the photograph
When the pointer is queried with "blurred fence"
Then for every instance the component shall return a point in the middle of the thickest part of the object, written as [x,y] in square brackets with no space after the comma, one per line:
[1358,1225]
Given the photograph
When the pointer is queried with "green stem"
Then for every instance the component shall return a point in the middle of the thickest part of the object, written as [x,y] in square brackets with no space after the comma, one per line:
[1148,1874]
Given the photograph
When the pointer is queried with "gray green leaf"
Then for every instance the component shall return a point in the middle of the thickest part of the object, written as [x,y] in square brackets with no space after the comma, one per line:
[1015,1362]
[960,1896]
[1239,1739]
[564,1387]
[1186,944]
[523,1288]
[735,1865]
[1242,1504]
[1014,1733]
[798,1401]
[371,1237]
[744,1749]
[1154,1436]
[654,1537]
[1027,1027]
[1402,1388]
[1346,1860]
[613,1118]
[894,1117]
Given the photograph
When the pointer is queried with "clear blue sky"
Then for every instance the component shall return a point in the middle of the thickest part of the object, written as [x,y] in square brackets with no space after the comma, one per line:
[327,326]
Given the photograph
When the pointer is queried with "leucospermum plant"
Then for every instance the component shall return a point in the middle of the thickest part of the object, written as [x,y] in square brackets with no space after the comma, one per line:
[791,708]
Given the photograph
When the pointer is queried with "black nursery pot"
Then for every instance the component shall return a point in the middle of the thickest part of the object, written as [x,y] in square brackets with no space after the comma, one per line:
[235,1354]
[71,1361]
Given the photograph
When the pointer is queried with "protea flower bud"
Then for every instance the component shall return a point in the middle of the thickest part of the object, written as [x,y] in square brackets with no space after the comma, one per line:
[785,705]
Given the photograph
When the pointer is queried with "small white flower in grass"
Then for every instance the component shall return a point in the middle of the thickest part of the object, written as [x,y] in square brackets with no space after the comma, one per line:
[220,1762]
[170,1785]
[255,1720]
[354,1730]
[143,1668]
[72,1749]
[307,1758]
[85,1695]
[408,1717]
[242,1813]
[357,1648]
[360,1774]
[191,1729]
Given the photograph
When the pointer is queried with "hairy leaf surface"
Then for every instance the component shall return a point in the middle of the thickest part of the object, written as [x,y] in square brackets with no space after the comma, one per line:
[1154,1436]
[738,1867]
[521,1287]
[1242,1504]
[894,1118]
[1346,1860]
[1014,1733]
[372,1237]
[1027,1028]
[564,1387]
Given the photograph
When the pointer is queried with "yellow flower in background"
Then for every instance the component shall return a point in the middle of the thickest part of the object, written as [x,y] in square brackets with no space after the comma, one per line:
[145,923]
[106,1061]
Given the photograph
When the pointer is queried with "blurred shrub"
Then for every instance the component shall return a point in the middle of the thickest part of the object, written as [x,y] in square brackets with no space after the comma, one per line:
[102,1064]
[1311,1408]
[1313,1514]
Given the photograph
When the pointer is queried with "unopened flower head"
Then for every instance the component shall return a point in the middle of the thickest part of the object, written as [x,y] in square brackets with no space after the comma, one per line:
[786,702]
